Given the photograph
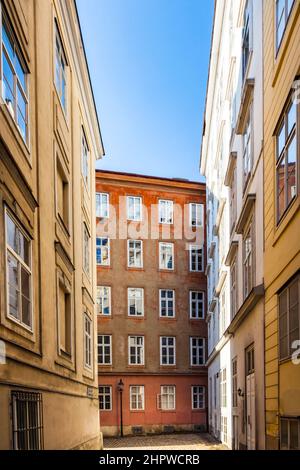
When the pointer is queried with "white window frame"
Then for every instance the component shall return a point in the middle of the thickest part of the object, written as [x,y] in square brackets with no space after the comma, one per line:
[62,63]
[199,269]
[88,342]
[166,244]
[142,347]
[135,199]
[198,303]
[168,347]
[104,394]
[198,349]
[85,161]
[198,394]
[135,266]
[21,264]
[173,300]
[168,395]
[223,388]
[129,291]
[102,209]
[102,346]
[247,147]
[137,395]
[165,211]
[108,248]
[199,218]
[86,250]
[101,298]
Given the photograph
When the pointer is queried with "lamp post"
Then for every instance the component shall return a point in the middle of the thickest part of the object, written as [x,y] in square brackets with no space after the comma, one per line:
[120,390]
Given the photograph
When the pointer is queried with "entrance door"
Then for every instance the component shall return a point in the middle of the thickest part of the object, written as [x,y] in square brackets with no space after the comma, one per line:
[250,391]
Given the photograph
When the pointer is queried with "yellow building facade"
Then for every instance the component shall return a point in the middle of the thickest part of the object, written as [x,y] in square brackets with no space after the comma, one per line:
[282,222]
[49,141]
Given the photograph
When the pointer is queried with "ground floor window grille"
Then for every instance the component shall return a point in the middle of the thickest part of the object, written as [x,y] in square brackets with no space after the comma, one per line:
[27,420]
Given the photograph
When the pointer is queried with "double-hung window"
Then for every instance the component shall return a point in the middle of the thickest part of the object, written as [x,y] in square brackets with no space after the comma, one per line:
[167,397]
[283,10]
[167,303]
[88,352]
[197,305]
[137,397]
[105,397]
[248,259]
[196,215]
[165,211]
[197,351]
[60,70]
[196,258]
[135,253]
[104,350]
[104,300]
[103,251]
[136,302]
[85,160]
[136,354]
[167,350]
[18,272]
[102,205]
[287,158]
[86,249]
[198,397]
[246,38]
[247,148]
[134,208]
[233,288]
[14,79]
[166,256]
[289,318]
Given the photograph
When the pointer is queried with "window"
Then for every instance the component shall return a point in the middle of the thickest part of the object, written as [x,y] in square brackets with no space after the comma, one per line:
[223,388]
[64,317]
[136,302]
[85,160]
[197,305]
[60,70]
[86,249]
[136,350]
[283,10]
[134,208]
[196,215]
[247,150]
[104,300]
[233,201]
[224,429]
[135,253]
[289,318]
[167,397]
[286,159]
[103,251]
[27,420]
[14,79]
[196,258]
[198,397]
[233,288]
[88,353]
[248,259]
[289,434]
[234,383]
[167,303]
[166,256]
[223,311]
[167,351]
[137,397]
[62,194]
[250,366]
[18,273]
[102,205]
[105,397]
[246,39]
[104,350]
[197,351]
[165,212]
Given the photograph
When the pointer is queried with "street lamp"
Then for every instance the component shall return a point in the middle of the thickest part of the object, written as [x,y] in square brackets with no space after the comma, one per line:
[120,390]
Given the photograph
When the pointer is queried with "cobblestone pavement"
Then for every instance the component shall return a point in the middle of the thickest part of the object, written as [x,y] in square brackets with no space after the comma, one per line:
[164,442]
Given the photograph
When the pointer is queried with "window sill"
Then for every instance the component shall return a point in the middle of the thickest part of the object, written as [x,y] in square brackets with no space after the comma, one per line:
[286,219]
[14,128]
[23,327]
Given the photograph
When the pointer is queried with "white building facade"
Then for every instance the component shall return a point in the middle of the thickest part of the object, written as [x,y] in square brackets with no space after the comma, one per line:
[232,162]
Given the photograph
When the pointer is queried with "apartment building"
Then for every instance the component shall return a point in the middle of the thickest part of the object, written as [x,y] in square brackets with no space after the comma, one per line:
[49,141]
[152,334]
[282,222]
[231,160]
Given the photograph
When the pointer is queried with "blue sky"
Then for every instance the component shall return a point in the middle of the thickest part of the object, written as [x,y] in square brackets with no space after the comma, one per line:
[148,61]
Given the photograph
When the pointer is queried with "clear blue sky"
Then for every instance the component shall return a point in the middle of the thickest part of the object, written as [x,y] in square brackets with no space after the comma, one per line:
[148,61]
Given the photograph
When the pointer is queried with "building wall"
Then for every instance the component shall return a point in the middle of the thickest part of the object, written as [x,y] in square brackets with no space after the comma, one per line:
[282,248]
[29,189]
[119,277]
